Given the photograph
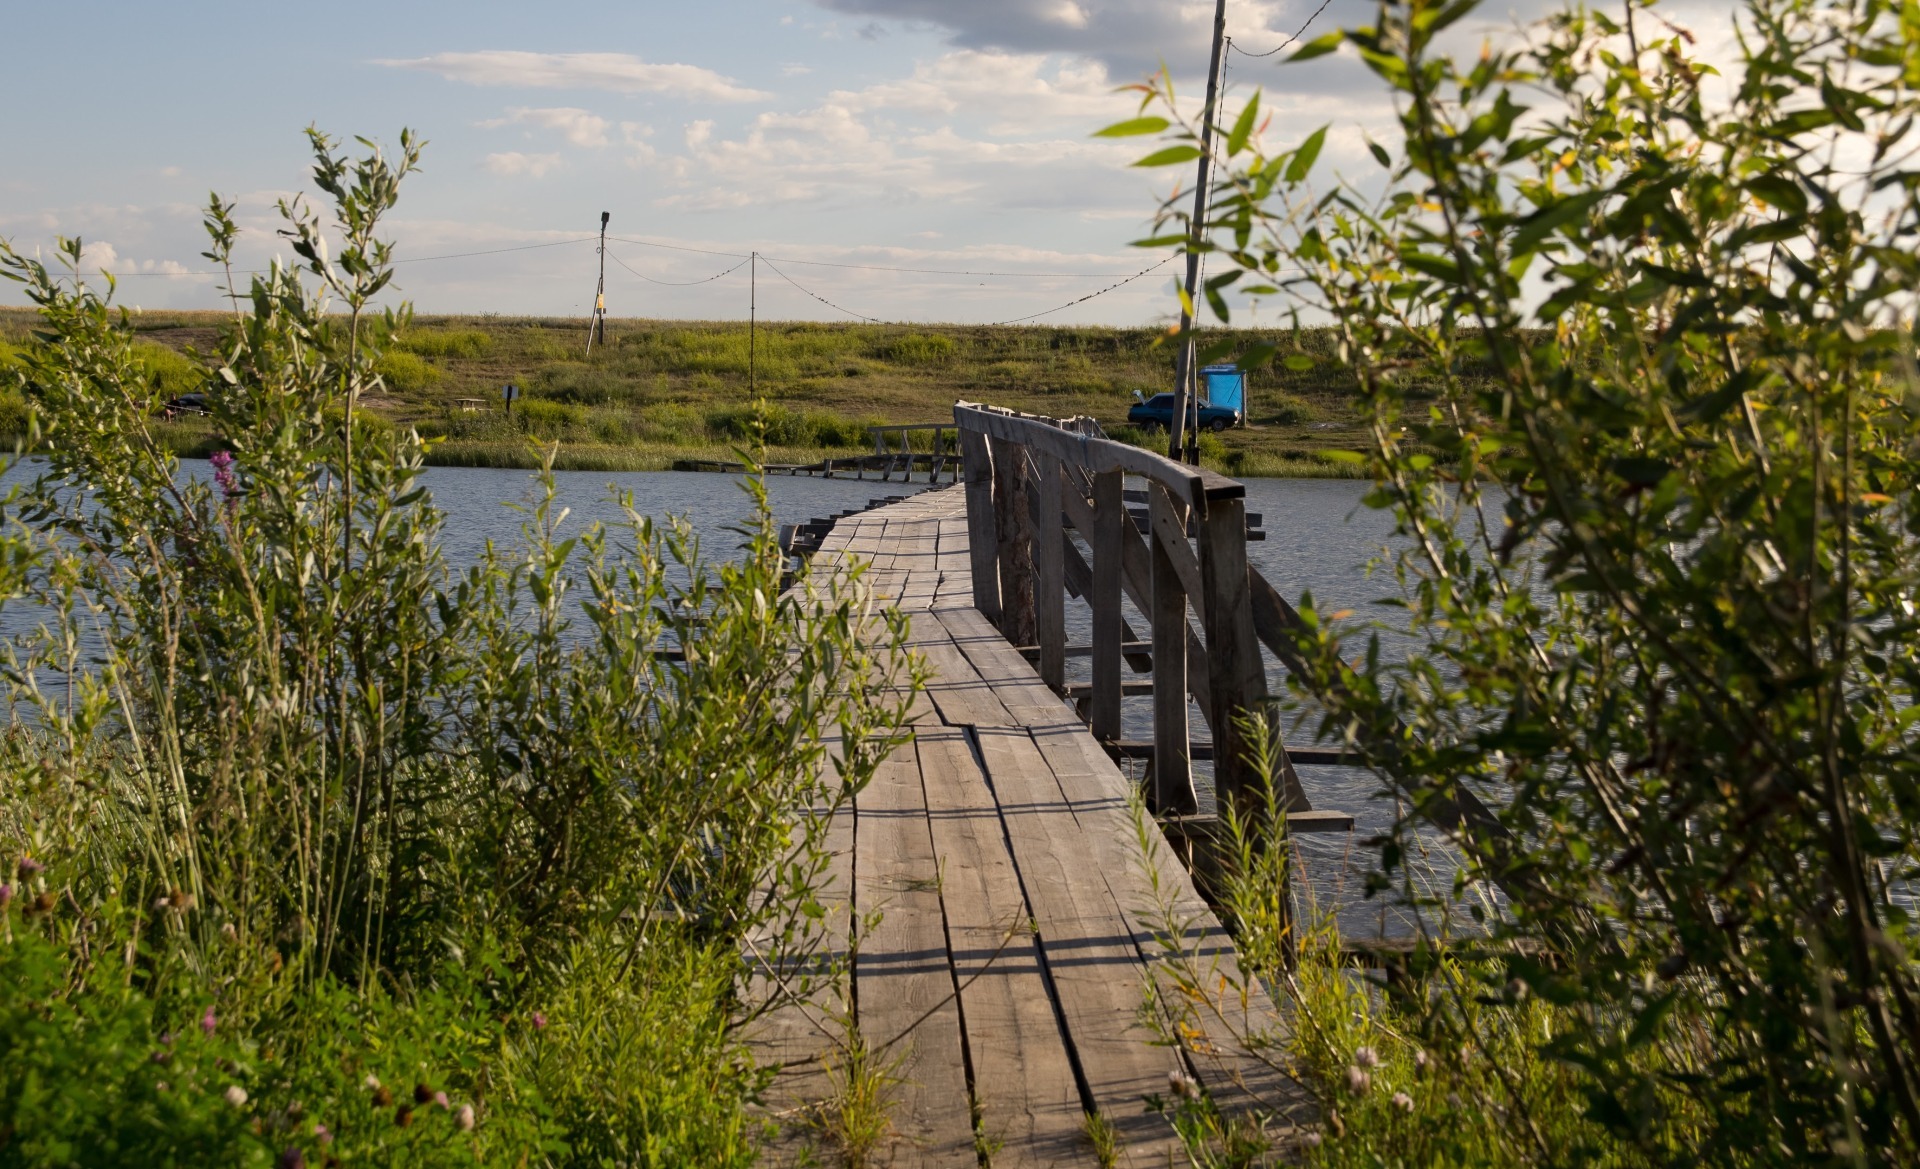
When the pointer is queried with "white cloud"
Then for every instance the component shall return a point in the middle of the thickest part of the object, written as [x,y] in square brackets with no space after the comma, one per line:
[614,72]
[513,162]
[578,126]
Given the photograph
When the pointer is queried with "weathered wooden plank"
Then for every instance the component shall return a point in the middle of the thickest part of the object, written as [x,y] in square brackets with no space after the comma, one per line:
[1172,792]
[1167,909]
[903,980]
[1086,944]
[1237,677]
[1027,1098]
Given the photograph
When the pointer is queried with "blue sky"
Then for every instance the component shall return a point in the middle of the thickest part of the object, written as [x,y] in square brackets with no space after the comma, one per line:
[947,134]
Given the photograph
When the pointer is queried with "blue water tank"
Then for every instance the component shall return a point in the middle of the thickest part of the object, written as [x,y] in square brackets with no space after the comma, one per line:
[1226,385]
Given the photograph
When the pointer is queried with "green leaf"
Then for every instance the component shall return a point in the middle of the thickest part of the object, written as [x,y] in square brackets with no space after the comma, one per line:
[1298,362]
[1379,153]
[1319,46]
[1133,127]
[1170,156]
[1542,223]
[1243,127]
[1779,192]
[1303,158]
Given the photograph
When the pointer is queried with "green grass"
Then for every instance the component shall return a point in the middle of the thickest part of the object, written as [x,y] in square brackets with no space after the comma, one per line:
[660,392]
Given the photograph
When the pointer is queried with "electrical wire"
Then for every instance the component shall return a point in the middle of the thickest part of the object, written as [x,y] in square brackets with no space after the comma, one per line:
[1283,44]
[818,297]
[585,239]
[1089,296]
[675,283]
[940,271]
[647,243]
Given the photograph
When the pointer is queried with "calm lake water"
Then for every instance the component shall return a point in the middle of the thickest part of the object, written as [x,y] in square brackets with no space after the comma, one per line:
[1319,538]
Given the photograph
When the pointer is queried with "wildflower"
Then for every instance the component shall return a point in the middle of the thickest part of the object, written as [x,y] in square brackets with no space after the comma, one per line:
[6,896]
[1179,1084]
[29,867]
[382,1096]
[539,1021]
[463,1119]
[209,1021]
[422,1094]
[228,932]
[440,1098]
[1358,1081]
[1517,991]
[161,905]
[1420,1060]
[372,1082]
[292,1158]
[222,464]
[322,1133]
[403,1115]
[236,1095]
[1366,1057]
[1403,1102]
[1313,1139]
[41,904]
[1453,1099]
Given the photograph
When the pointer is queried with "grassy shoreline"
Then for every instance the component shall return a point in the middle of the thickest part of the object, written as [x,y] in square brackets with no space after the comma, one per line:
[661,392]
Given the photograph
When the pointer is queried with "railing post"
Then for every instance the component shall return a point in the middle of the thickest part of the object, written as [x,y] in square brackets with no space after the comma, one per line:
[1238,678]
[1172,792]
[1109,514]
[1013,524]
[976,463]
[1050,575]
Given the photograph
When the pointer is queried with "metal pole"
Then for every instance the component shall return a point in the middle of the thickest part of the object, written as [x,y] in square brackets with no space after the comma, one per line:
[753,312]
[1184,397]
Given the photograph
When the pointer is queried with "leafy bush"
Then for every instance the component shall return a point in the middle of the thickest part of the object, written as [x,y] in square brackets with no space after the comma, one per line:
[404,373]
[169,371]
[580,384]
[1659,554]
[918,349]
[459,832]
[445,342]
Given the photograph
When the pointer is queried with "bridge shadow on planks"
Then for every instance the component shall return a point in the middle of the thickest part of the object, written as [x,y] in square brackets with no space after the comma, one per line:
[1009,969]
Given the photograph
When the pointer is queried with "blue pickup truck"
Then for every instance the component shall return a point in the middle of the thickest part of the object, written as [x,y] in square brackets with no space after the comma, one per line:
[1157,413]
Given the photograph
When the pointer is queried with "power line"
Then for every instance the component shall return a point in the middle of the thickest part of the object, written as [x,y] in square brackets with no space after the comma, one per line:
[1283,44]
[1089,296]
[647,243]
[818,297]
[676,283]
[940,271]
[412,260]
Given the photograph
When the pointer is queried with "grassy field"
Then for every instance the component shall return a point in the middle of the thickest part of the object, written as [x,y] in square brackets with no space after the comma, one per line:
[662,391]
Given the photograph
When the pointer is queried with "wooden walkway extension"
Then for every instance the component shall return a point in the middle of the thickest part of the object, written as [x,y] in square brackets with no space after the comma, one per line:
[1017,934]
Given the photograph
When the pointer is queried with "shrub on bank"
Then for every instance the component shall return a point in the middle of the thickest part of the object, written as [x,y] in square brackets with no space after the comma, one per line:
[314,847]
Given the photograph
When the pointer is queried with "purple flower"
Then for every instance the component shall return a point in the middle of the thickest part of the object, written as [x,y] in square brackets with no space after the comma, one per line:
[28,867]
[208,1022]
[323,1134]
[539,1021]
[222,463]
[440,1098]
[6,895]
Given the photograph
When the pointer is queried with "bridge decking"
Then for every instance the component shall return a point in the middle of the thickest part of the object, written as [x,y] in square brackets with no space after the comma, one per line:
[1018,931]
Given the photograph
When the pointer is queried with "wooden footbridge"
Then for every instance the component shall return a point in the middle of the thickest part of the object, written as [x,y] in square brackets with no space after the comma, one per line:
[1021,921]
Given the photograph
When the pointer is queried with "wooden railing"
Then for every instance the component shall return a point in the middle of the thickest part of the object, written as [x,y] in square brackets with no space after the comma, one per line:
[891,445]
[1032,482]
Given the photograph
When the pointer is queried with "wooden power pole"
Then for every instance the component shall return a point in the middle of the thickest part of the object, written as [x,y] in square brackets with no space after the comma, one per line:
[598,322]
[1184,433]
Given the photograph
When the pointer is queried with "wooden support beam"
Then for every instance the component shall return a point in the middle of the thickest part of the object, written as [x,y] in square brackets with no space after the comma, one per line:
[982,544]
[1092,689]
[1236,675]
[1109,529]
[1131,649]
[1202,749]
[1050,584]
[1172,790]
[1013,525]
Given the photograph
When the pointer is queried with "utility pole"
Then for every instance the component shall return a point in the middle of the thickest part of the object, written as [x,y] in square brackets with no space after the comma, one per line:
[598,322]
[1184,398]
[753,311]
